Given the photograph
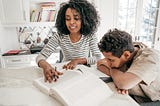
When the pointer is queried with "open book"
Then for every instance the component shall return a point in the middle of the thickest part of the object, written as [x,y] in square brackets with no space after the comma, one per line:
[76,87]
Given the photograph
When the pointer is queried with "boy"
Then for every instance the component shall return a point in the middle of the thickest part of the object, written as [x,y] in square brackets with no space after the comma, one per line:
[134,68]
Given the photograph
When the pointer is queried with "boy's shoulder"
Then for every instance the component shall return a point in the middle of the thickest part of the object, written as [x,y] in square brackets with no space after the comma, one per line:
[148,54]
[140,45]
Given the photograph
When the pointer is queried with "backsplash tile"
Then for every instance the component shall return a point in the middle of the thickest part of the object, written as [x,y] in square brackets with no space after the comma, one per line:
[34,36]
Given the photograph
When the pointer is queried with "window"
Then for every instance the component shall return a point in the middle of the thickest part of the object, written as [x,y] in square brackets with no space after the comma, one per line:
[127,15]
[140,19]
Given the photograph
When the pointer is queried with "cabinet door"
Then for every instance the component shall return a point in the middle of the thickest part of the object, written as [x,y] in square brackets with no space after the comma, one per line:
[157,40]
[14,11]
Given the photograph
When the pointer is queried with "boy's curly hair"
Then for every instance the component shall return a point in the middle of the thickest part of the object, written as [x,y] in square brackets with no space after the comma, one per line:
[116,42]
[88,13]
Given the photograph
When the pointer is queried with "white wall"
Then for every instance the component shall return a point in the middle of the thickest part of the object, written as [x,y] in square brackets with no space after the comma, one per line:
[8,39]
[108,14]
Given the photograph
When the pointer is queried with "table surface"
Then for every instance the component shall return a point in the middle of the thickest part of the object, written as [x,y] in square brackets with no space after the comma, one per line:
[16,89]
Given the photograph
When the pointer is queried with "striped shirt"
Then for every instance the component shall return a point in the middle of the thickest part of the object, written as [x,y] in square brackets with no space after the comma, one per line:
[80,49]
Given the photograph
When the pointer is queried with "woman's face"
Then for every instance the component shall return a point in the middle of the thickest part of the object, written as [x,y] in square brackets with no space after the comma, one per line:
[73,21]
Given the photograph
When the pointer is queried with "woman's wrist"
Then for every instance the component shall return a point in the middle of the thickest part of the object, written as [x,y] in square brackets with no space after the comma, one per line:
[43,64]
[81,61]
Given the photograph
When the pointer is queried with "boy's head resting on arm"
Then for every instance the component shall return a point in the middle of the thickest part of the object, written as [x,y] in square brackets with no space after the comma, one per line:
[88,16]
[117,47]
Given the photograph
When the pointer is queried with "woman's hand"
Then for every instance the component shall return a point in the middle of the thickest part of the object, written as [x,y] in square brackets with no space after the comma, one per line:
[71,65]
[74,62]
[50,73]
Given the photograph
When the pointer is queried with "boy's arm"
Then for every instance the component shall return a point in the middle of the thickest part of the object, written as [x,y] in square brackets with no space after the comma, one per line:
[104,69]
[124,80]
[102,65]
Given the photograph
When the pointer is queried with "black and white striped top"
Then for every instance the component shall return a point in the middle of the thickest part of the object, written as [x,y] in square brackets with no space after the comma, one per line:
[80,49]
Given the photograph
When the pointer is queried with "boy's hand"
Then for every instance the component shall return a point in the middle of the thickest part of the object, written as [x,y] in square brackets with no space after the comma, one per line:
[122,91]
[104,66]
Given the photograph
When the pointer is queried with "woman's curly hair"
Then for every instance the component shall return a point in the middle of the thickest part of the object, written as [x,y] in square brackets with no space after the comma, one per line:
[88,13]
[116,42]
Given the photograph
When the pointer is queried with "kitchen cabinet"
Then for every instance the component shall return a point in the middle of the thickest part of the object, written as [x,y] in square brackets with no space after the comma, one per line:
[21,61]
[19,12]
[157,34]
[17,61]
[157,40]
[14,12]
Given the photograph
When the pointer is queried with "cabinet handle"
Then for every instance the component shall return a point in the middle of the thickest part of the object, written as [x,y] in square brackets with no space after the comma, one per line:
[24,15]
[16,60]
[24,12]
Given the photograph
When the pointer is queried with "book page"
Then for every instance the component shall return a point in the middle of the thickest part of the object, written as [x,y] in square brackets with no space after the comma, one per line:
[82,90]
[77,88]
[42,85]
[63,79]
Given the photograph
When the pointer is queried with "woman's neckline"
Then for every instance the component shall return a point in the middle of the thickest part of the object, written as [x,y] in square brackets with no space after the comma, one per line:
[73,38]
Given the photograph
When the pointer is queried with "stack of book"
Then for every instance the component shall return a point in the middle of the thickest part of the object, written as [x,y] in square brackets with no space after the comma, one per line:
[45,12]
[12,52]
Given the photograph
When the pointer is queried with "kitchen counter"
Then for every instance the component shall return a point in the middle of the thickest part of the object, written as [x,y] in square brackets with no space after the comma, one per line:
[16,88]
[25,60]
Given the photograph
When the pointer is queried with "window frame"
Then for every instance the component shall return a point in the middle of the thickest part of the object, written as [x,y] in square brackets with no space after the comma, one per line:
[138,23]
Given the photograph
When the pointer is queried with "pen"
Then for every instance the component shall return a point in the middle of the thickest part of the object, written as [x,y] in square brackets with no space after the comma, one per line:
[80,70]
[88,65]
[55,76]
[55,68]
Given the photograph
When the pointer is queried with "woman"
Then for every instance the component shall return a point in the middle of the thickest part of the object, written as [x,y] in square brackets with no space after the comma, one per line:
[76,23]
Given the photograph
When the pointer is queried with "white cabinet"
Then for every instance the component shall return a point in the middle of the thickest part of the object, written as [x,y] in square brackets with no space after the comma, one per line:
[19,61]
[157,40]
[15,11]
[157,35]
[18,12]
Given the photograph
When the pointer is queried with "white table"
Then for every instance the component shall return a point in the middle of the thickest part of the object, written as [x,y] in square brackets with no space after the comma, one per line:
[16,89]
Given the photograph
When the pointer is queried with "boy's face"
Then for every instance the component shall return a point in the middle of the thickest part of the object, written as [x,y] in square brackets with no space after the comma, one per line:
[114,61]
